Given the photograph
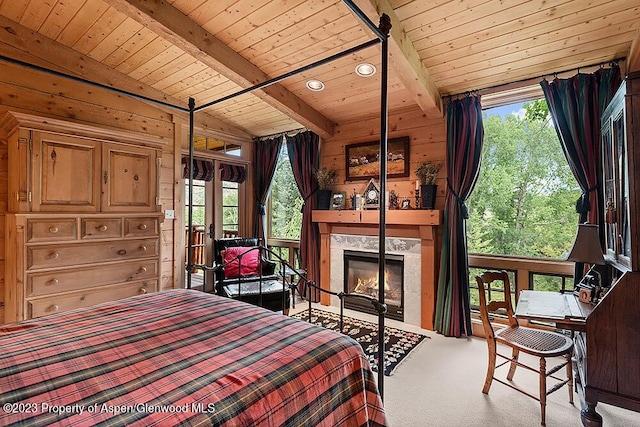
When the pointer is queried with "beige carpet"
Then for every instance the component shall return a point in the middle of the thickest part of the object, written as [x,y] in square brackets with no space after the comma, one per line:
[440,385]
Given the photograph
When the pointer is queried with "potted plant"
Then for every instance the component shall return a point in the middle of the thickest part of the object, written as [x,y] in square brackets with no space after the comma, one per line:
[326,179]
[427,172]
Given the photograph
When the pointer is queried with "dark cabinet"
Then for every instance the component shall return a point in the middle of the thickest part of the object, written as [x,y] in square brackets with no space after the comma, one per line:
[615,167]
[607,353]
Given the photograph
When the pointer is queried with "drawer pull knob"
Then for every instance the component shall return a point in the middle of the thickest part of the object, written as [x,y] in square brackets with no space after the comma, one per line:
[53,307]
[54,255]
[122,252]
[103,228]
[142,227]
[143,248]
[142,269]
[143,290]
[53,229]
[53,282]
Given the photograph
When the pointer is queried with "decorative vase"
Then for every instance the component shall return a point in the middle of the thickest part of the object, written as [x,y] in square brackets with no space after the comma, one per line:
[323,199]
[428,196]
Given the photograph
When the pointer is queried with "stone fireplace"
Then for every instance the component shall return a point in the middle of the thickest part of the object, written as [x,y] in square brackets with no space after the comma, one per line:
[411,234]
[361,276]
[404,254]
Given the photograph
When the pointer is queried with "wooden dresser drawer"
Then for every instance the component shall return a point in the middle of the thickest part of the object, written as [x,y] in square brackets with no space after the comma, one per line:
[100,228]
[39,284]
[58,303]
[51,230]
[88,253]
[141,227]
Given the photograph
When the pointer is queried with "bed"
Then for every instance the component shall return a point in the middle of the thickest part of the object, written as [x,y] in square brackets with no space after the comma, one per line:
[182,357]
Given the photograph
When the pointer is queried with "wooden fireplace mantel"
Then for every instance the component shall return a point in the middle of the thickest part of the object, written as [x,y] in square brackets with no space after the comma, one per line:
[417,224]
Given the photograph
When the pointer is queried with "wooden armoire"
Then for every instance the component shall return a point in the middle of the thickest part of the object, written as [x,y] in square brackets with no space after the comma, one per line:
[83,217]
[607,354]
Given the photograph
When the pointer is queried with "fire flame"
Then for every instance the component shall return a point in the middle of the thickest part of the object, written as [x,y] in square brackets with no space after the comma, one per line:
[369,286]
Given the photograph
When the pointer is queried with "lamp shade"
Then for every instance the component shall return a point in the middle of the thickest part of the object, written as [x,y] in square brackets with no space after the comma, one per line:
[586,247]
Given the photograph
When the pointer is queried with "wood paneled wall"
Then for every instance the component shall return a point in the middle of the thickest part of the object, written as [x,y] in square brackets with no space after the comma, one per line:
[4,166]
[49,96]
[427,142]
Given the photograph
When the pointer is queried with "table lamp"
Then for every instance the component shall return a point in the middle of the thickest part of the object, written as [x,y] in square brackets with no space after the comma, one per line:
[587,250]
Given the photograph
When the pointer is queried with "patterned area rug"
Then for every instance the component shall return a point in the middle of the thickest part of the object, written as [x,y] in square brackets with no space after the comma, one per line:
[398,343]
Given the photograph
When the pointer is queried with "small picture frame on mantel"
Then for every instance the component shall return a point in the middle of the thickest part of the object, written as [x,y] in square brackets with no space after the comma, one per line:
[338,200]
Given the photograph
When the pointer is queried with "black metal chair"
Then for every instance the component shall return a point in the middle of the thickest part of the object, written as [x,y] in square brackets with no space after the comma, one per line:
[262,286]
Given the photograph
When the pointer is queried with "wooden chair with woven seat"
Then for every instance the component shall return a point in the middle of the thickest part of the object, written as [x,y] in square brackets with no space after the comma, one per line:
[536,342]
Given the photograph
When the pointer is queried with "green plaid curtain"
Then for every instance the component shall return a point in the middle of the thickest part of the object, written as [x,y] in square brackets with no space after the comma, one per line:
[465,135]
[576,105]
[265,161]
[303,150]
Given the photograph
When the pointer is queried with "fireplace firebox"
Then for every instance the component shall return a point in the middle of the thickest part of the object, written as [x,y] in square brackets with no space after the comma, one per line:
[361,277]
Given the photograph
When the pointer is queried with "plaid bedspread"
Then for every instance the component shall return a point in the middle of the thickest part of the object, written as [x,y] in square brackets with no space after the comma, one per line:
[182,357]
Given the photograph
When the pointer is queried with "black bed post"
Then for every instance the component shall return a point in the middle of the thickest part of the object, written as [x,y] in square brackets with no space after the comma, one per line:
[382,32]
[192,105]
[385,27]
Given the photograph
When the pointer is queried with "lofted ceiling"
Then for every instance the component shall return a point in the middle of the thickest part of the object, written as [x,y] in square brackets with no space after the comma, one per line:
[173,50]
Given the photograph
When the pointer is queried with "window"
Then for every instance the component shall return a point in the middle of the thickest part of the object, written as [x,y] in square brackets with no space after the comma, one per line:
[218,206]
[524,201]
[224,201]
[523,205]
[230,208]
[285,217]
[198,210]
[198,220]
[215,145]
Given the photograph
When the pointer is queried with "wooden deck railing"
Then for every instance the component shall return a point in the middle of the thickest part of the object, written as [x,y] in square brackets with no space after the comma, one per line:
[525,273]
[200,244]
[198,255]
[286,249]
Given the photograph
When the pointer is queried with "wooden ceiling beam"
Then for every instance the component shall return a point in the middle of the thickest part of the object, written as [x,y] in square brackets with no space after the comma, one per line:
[633,59]
[174,26]
[25,45]
[412,72]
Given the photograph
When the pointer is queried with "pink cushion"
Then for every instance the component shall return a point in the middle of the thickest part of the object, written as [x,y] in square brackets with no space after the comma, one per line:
[248,266]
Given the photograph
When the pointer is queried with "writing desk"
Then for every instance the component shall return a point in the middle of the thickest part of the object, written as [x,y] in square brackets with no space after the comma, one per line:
[563,309]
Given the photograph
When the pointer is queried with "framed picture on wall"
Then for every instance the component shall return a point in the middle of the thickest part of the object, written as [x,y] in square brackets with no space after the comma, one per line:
[363,159]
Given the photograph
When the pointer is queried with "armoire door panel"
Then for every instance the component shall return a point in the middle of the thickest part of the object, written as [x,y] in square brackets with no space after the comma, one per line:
[129,178]
[65,170]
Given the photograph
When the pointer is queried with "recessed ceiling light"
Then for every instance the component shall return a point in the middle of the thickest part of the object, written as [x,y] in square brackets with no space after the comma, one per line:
[315,85]
[365,70]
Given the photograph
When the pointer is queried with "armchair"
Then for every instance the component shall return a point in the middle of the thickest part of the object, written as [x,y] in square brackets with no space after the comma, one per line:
[244,273]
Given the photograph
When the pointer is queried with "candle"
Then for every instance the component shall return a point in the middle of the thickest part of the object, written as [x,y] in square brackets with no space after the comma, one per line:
[417,185]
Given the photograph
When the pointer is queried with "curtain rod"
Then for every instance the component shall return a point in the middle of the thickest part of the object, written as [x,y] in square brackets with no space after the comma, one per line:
[291,132]
[555,73]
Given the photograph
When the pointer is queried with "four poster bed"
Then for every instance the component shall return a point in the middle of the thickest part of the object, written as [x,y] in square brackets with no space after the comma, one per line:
[185,357]
[182,357]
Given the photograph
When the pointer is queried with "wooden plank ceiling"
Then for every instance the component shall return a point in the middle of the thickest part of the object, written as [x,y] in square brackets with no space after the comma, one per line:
[208,49]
